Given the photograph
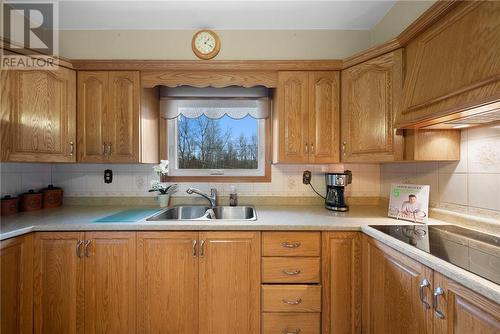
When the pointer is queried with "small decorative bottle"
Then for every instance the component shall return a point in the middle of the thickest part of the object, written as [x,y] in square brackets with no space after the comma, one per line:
[233,196]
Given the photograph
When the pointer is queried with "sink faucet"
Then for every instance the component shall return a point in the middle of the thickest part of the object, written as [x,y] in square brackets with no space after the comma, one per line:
[212,198]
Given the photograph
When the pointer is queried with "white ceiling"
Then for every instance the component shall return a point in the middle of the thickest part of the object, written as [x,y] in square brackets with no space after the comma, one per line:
[329,14]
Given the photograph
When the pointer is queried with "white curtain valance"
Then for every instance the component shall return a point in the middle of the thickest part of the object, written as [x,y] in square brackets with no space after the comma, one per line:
[215,108]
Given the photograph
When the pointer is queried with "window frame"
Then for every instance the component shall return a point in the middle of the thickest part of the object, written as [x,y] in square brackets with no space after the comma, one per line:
[167,127]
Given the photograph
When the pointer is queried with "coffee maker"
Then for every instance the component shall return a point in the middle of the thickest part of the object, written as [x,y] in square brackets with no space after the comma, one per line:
[335,184]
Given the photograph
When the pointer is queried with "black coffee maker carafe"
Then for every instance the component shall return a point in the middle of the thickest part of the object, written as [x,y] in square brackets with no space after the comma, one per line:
[335,185]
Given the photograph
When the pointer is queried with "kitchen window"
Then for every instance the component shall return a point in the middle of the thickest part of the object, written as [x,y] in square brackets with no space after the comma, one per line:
[217,133]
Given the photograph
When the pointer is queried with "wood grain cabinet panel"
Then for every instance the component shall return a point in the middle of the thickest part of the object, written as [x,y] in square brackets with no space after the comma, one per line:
[110,282]
[291,243]
[454,65]
[229,282]
[58,283]
[306,121]
[108,116]
[341,272]
[463,310]
[40,108]
[291,298]
[291,270]
[303,323]
[371,94]
[16,280]
[167,281]
[391,282]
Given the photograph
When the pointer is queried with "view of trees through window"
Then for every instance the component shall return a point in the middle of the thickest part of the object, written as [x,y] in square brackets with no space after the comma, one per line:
[224,143]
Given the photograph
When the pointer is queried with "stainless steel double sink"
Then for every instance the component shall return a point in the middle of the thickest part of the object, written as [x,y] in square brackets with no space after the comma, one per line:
[206,213]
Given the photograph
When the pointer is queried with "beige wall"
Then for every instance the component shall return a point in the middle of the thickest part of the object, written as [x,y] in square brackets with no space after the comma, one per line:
[236,44]
[397,19]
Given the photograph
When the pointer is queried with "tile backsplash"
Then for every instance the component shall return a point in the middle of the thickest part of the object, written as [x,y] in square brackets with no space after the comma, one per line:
[134,180]
[471,185]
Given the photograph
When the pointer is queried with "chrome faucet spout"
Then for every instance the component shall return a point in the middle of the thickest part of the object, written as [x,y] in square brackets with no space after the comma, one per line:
[212,198]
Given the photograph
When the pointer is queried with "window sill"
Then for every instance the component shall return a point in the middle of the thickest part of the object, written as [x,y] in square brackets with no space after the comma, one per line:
[219,179]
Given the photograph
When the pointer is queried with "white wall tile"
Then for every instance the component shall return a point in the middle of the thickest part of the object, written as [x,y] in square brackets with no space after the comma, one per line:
[453,188]
[484,191]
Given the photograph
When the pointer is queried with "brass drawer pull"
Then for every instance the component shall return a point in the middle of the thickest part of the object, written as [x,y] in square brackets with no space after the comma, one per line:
[292,302]
[437,292]
[79,248]
[291,272]
[286,331]
[290,244]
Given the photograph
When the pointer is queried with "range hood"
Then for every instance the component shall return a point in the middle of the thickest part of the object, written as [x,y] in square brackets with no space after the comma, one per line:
[460,119]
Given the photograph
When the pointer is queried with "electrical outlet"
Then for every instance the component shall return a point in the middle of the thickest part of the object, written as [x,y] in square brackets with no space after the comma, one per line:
[108,176]
[306,177]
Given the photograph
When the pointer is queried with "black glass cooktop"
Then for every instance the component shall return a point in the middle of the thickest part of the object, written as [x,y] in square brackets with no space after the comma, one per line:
[476,252]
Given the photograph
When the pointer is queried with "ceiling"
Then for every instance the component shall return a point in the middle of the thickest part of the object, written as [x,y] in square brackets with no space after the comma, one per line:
[154,15]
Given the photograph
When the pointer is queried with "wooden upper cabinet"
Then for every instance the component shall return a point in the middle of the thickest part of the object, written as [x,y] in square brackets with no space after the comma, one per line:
[391,283]
[58,283]
[293,116]
[167,282]
[341,268]
[16,280]
[463,310]
[371,94]
[453,65]
[94,123]
[108,116]
[39,107]
[307,117]
[229,282]
[110,282]
[324,120]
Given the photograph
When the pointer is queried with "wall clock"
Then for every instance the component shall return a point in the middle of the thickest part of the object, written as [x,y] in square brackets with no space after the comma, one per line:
[205,44]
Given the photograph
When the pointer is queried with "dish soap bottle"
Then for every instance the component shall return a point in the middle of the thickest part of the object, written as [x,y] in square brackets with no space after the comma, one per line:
[233,196]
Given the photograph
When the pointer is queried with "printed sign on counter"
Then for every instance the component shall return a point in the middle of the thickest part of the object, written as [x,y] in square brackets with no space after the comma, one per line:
[409,202]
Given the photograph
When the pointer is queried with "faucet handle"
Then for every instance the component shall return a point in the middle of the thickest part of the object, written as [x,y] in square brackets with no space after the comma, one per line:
[213,192]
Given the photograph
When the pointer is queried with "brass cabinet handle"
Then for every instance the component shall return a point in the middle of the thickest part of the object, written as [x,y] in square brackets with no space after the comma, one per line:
[307,148]
[194,247]
[435,300]
[292,302]
[312,148]
[343,147]
[104,148]
[291,272]
[423,285]
[296,331]
[71,148]
[290,244]
[87,248]
[202,248]
[79,248]
[109,148]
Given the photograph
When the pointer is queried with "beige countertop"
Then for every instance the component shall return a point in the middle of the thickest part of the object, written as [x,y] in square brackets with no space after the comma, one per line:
[298,218]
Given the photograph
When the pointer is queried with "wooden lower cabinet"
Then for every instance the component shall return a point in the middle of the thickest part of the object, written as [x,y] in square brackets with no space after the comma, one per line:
[167,281]
[341,270]
[291,323]
[463,311]
[391,283]
[16,280]
[84,282]
[229,282]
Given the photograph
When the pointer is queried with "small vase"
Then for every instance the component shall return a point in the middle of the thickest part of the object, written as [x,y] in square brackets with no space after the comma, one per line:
[163,200]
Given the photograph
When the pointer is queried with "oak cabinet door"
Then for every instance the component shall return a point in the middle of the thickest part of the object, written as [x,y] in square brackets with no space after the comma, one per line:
[110,282]
[167,282]
[43,115]
[341,270]
[229,282]
[94,120]
[464,311]
[58,283]
[16,280]
[391,282]
[293,117]
[371,94]
[124,105]
[324,117]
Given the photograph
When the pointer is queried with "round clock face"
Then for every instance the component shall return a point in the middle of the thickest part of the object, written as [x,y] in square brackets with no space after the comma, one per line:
[206,44]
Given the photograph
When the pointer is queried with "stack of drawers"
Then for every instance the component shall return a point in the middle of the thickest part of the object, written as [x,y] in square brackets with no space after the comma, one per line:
[291,276]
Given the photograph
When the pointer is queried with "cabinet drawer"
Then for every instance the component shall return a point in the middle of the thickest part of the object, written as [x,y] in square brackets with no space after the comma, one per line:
[291,243]
[290,270]
[303,323]
[291,298]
